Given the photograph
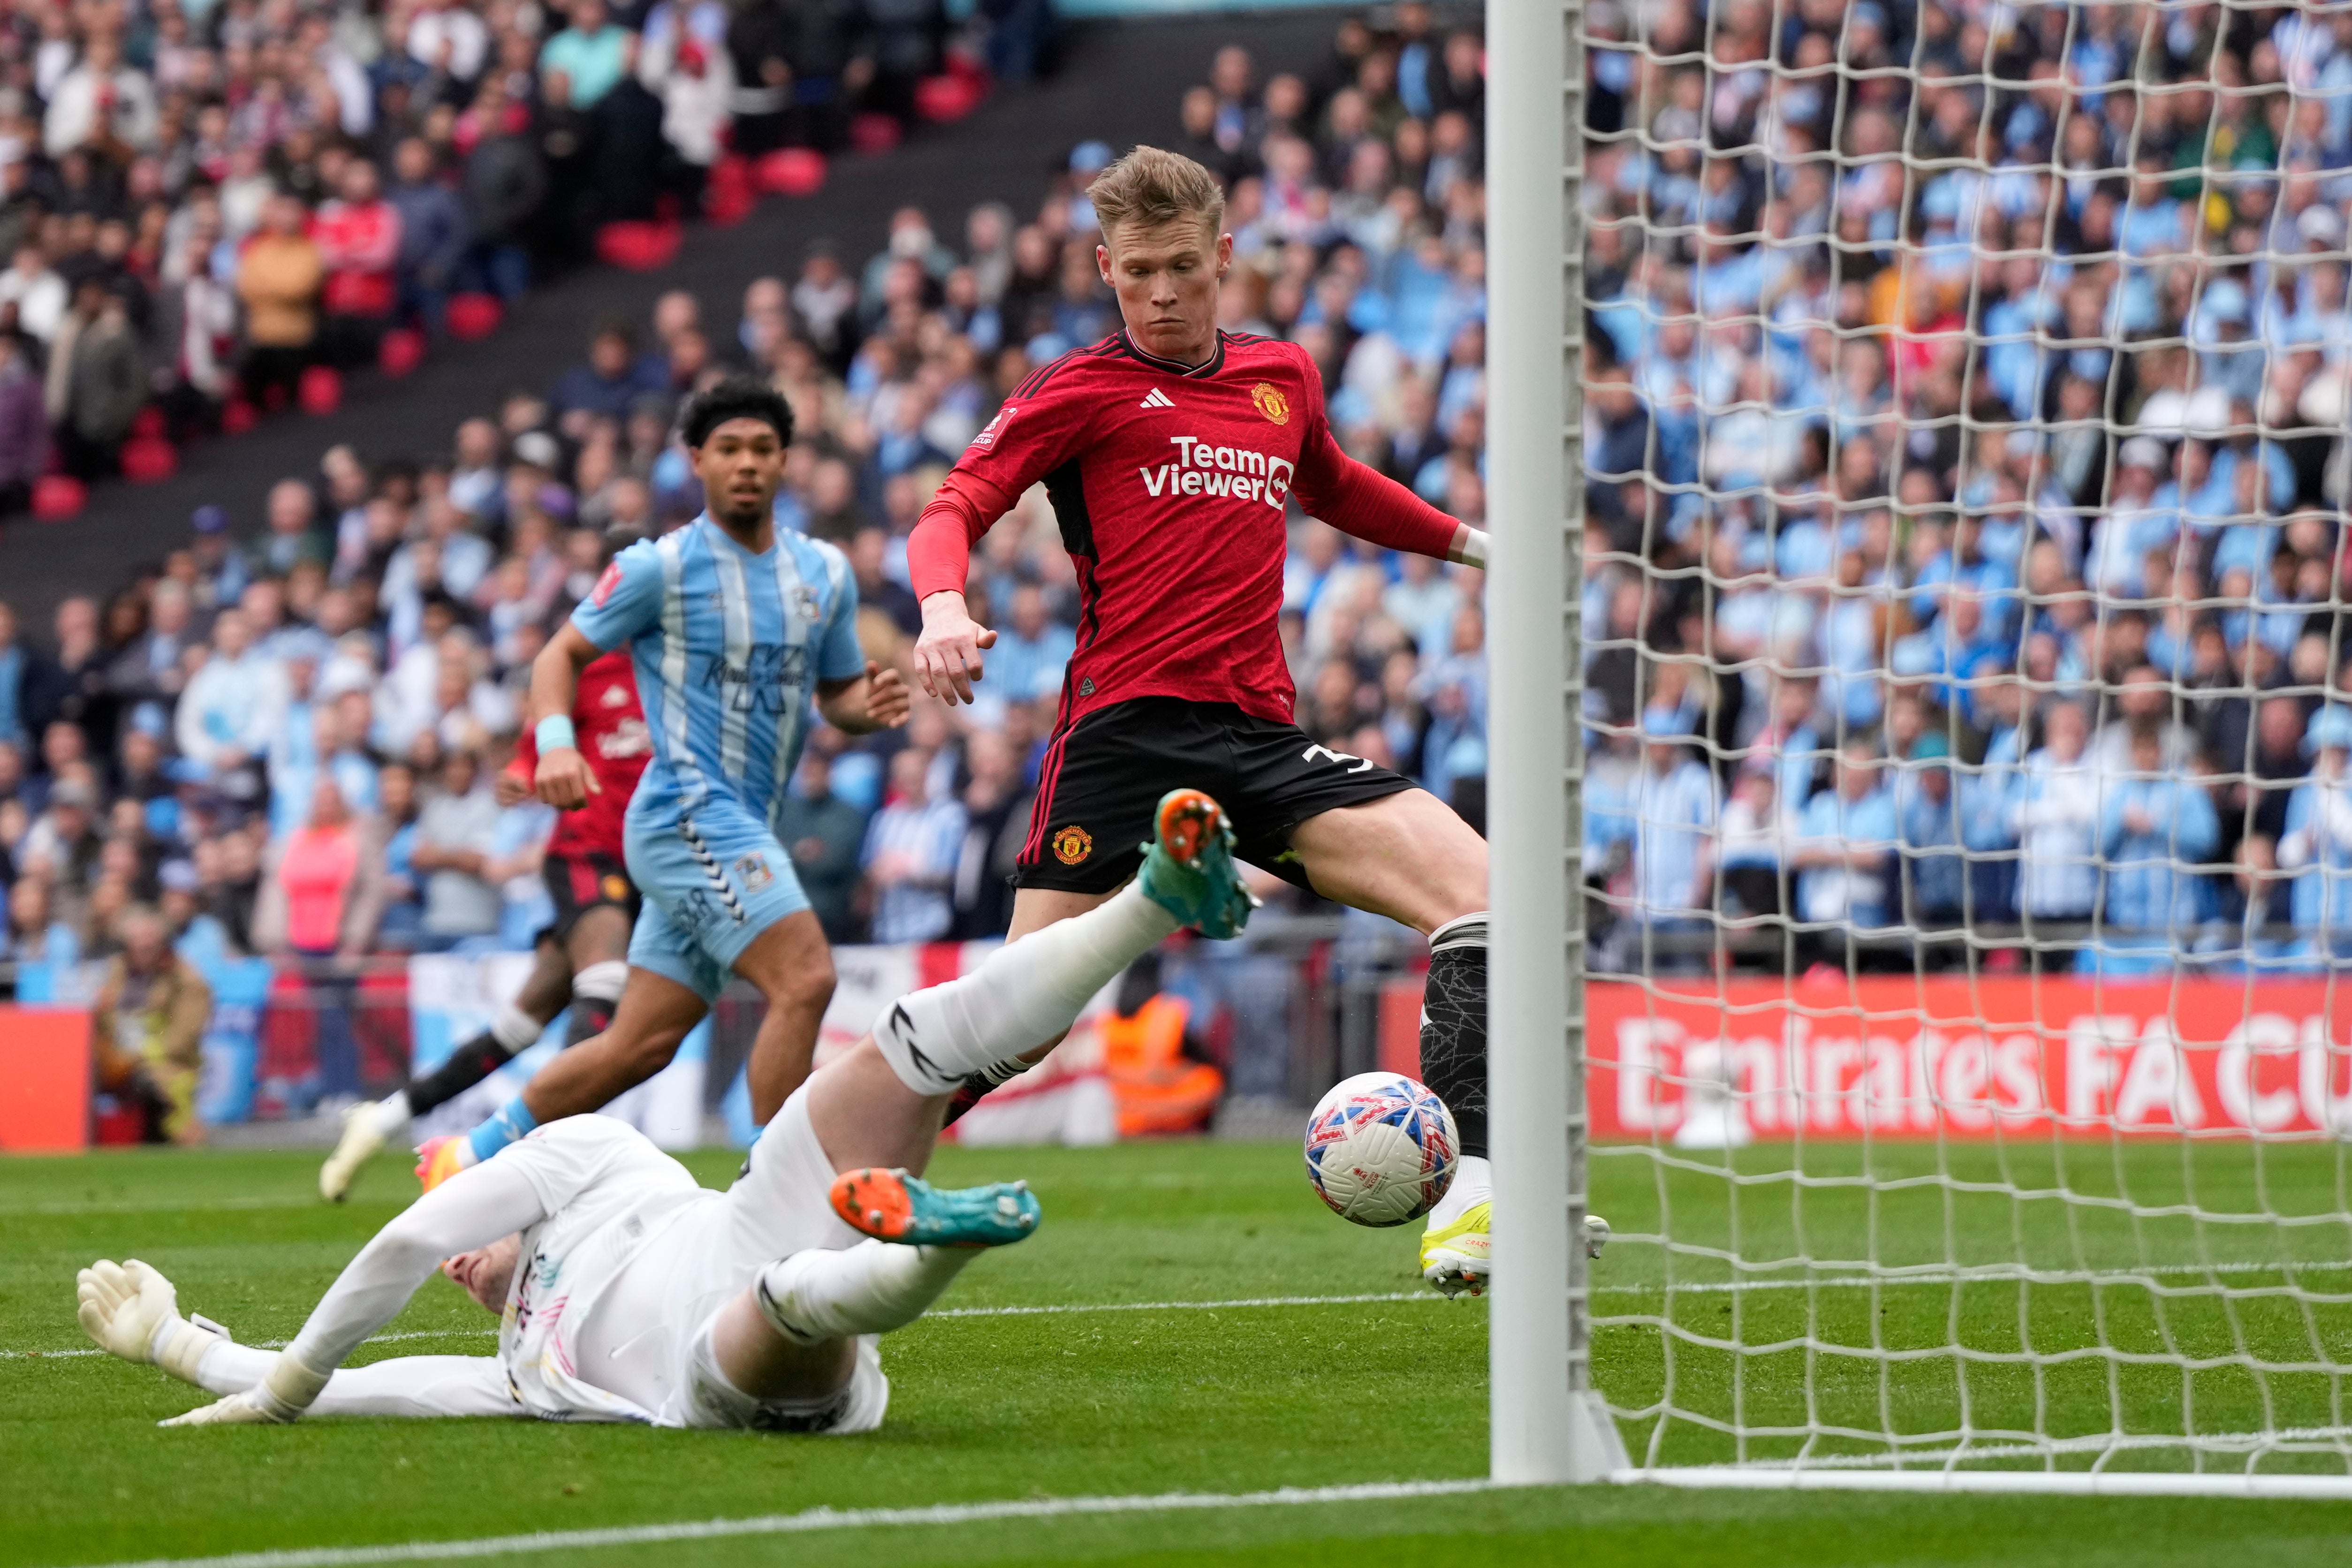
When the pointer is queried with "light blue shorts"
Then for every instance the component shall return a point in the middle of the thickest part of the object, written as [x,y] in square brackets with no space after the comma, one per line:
[713,879]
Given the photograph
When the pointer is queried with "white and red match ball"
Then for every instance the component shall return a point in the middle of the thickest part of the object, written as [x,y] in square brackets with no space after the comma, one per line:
[1380,1149]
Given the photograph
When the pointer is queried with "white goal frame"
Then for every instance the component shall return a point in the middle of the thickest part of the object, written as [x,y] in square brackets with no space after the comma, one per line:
[1549,1423]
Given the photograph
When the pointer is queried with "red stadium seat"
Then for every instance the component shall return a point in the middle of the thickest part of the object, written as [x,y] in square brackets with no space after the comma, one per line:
[57,496]
[148,422]
[732,172]
[638,246]
[236,417]
[149,460]
[791,172]
[873,132]
[473,316]
[401,350]
[942,99]
[727,208]
[320,391]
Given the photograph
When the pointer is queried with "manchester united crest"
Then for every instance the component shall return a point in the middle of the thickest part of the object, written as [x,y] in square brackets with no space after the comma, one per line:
[1073,844]
[1271,403]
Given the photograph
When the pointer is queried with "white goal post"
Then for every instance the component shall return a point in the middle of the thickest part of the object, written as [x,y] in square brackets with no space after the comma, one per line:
[1939,972]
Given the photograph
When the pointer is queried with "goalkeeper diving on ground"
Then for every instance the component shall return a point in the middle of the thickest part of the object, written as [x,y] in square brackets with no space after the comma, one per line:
[626,1292]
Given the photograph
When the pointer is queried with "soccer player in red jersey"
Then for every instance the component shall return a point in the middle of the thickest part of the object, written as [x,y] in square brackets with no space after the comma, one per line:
[582,958]
[1171,451]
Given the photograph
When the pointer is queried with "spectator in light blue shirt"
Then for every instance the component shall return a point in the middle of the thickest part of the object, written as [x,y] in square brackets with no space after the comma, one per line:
[912,847]
[2055,816]
[1934,866]
[2157,831]
[232,707]
[1674,809]
[1846,838]
[592,54]
[2316,847]
[1031,651]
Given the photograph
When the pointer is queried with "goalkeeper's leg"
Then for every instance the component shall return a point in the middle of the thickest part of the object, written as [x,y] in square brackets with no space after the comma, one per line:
[786,1353]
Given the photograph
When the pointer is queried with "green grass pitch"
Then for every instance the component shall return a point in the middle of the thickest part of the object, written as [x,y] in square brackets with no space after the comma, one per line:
[1234,1400]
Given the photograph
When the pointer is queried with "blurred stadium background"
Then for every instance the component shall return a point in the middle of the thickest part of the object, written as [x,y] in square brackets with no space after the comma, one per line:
[1967,395]
[337,335]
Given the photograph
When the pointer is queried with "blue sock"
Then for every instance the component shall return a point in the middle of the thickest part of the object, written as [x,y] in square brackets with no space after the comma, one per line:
[513,1123]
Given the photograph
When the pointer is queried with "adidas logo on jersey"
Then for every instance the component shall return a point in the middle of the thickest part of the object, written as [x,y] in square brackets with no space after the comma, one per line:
[1157,399]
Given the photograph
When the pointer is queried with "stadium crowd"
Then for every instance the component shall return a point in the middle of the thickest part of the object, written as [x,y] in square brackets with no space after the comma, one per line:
[201,198]
[1968,471]
[1964,545]
[285,743]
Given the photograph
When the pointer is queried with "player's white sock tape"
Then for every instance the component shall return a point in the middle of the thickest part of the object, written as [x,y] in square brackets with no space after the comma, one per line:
[392,1113]
[1022,996]
[872,1287]
[179,1348]
[516,1029]
[600,982]
[1474,1183]
[1463,931]
[289,1389]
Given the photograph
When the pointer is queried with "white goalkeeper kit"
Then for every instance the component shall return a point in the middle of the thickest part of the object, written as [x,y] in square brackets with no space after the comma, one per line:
[623,1265]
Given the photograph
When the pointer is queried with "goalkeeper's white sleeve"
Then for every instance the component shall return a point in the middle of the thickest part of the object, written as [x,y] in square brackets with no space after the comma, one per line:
[471,1209]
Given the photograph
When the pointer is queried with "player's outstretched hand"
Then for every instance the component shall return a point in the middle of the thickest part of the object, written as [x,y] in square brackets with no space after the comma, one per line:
[946,656]
[564,781]
[888,699]
[232,1410]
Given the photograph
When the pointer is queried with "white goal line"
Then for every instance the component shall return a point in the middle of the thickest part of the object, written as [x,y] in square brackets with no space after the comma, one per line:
[811,1519]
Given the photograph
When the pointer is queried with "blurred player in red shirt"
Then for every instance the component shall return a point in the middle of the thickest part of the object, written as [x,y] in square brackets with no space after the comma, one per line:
[1171,451]
[582,958]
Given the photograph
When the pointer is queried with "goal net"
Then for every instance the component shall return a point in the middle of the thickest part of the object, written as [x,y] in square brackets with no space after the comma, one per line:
[1967,802]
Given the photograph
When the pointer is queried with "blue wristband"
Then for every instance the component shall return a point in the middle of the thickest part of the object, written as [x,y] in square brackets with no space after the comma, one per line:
[554,734]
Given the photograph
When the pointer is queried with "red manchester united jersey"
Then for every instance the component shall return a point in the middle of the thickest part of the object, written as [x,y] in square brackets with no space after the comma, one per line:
[613,739]
[1169,483]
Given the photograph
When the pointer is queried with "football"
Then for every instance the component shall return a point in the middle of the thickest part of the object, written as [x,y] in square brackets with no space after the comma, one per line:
[1380,1149]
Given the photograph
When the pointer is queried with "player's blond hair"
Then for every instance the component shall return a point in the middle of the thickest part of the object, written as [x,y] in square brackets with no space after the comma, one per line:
[1152,186]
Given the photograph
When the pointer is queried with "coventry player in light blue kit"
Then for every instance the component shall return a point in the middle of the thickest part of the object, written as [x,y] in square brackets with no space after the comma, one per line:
[742,636]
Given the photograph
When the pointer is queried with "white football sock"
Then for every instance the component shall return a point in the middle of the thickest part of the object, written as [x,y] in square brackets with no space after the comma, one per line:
[600,982]
[516,1029]
[392,1113]
[1474,1183]
[1022,996]
[872,1287]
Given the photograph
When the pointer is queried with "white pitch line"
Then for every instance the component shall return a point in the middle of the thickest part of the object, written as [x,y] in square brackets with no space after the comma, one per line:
[1057,1310]
[247,1201]
[1184,1306]
[2000,1274]
[1702,1287]
[812,1520]
[2091,1443]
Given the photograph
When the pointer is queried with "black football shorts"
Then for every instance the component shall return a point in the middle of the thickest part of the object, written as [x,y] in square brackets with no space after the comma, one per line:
[579,884]
[1103,778]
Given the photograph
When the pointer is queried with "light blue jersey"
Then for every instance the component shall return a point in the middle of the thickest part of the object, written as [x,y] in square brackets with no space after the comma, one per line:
[728,648]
